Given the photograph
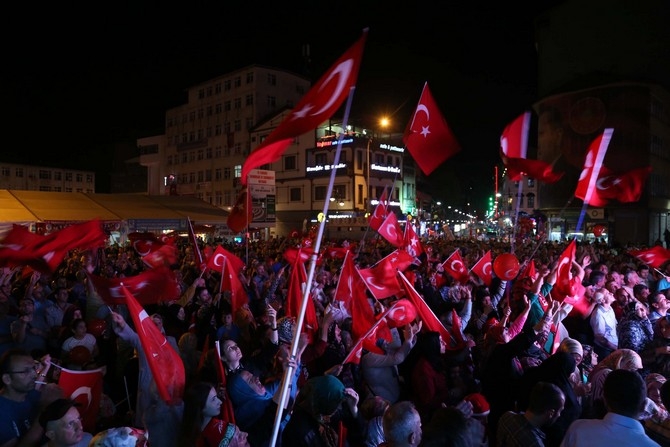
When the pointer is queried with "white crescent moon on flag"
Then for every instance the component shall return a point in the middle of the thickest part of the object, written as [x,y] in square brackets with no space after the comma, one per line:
[424,109]
[370,282]
[390,230]
[602,182]
[83,391]
[148,245]
[396,309]
[456,265]
[218,260]
[342,71]
[486,269]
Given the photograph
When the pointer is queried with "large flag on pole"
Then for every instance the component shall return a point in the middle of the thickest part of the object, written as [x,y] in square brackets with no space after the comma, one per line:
[428,136]
[317,106]
[164,362]
[199,260]
[587,185]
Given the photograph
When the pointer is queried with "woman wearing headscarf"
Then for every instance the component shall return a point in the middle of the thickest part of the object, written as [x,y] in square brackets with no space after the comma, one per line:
[618,359]
[556,369]
[656,356]
[317,414]
[634,329]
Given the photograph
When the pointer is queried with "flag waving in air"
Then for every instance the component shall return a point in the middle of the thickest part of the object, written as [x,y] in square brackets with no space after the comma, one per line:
[587,185]
[428,136]
[319,104]
[484,268]
[455,266]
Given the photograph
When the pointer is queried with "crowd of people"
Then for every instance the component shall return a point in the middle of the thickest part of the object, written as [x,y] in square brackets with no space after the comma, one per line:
[534,369]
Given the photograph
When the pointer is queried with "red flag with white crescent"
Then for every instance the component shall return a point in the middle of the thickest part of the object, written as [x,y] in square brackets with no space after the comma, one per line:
[85,388]
[391,231]
[317,106]
[654,257]
[587,189]
[455,266]
[484,268]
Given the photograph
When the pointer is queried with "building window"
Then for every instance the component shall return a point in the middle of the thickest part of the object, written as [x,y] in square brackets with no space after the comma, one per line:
[208,175]
[226,106]
[226,173]
[217,88]
[295,195]
[237,149]
[320,159]
[217,108]
[57,189]
[249,124]
[184,157]
[201,113]
[226,152]
[68,189]
[68,176]
[45,188]
[217,152]
[237,125]
[6,172]
[272,79]
[359,198]
[238,171]
[238,82]
[218,129]
[226,85]
[290,163]
[272,101]
[209,110]
[250,77]
[530,197]
[208,153]
[249,100]
[191,156]
[89,178]
[191,177]
[201,93]
[320,192]
[43,174]
[209,91]
[201,176]
[237,103]
[201,154]
[217,174]
[227,198]
[19,173]
[531,182]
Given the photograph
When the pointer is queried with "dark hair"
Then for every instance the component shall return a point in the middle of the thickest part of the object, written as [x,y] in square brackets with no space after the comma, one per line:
[195,398]
[625,393]
[665,393]
[447,427]
[637,288]
[75,323]
[8,357]
[428,346]
[545,396]
[595,277]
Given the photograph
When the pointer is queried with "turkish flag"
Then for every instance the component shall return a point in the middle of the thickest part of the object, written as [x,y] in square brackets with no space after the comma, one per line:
[411,241]
[295,297]
[514,138]
[45,253]
[430,320]
[151,286]
[529,271]
[351,291]
[381,279]
[587,189]
[336,252]
[380,212]
[85,388]
[144,242]
[428,137]
[391,231]
[231,281]
[654,257]
[164,362]
[484,268]
[624,187]
[166,255]
[216,260]
[455,266]
[316,107]
[536,169]
[242,213]
[565,286]
[298,254]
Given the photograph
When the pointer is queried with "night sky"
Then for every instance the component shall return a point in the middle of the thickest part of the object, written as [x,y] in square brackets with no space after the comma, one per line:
[83,78]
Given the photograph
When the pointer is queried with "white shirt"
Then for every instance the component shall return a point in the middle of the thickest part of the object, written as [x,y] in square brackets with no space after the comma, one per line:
[603,323]
[613,430]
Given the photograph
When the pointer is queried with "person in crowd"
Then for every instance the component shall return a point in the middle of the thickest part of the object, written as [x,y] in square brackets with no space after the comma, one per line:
[557,369]
[618,359]
[621,300]
[526,429]
[202,426]
[318,411]
[402,425]
[161,420]
[372,412]
[428,379]
[6,320]
[624,395]
[635,331]
[658,307]
[658,428]
[21,397]
[604,323]
[641,293]
[188,351]
[30,331]
[80,337]
[62,425]
[656,356]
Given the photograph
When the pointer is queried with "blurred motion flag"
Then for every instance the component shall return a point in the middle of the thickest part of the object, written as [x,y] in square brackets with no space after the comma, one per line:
[231,281]
[654,257]
[317,106]
[165,255]
[428,136]
[295,296]
[564,284]
[484,268]
[381,279]
[624,187]
[514,146]
[242,213]
[21,247]
[149,287]
[587,189]
[196,248]
[85,388]
[167,368]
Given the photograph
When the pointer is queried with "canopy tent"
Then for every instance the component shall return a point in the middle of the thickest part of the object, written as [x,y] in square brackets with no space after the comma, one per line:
[38,206]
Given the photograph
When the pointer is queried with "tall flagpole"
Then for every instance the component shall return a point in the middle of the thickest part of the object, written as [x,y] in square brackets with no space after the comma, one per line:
[288,373]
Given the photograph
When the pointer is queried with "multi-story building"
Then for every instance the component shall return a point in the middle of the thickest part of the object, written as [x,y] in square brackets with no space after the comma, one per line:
[208,138]
[41,178]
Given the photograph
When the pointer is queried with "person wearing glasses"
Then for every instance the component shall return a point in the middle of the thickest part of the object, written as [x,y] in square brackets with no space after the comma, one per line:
[21,399]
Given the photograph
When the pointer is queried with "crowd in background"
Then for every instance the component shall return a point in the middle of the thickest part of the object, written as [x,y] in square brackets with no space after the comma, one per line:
[531,368]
